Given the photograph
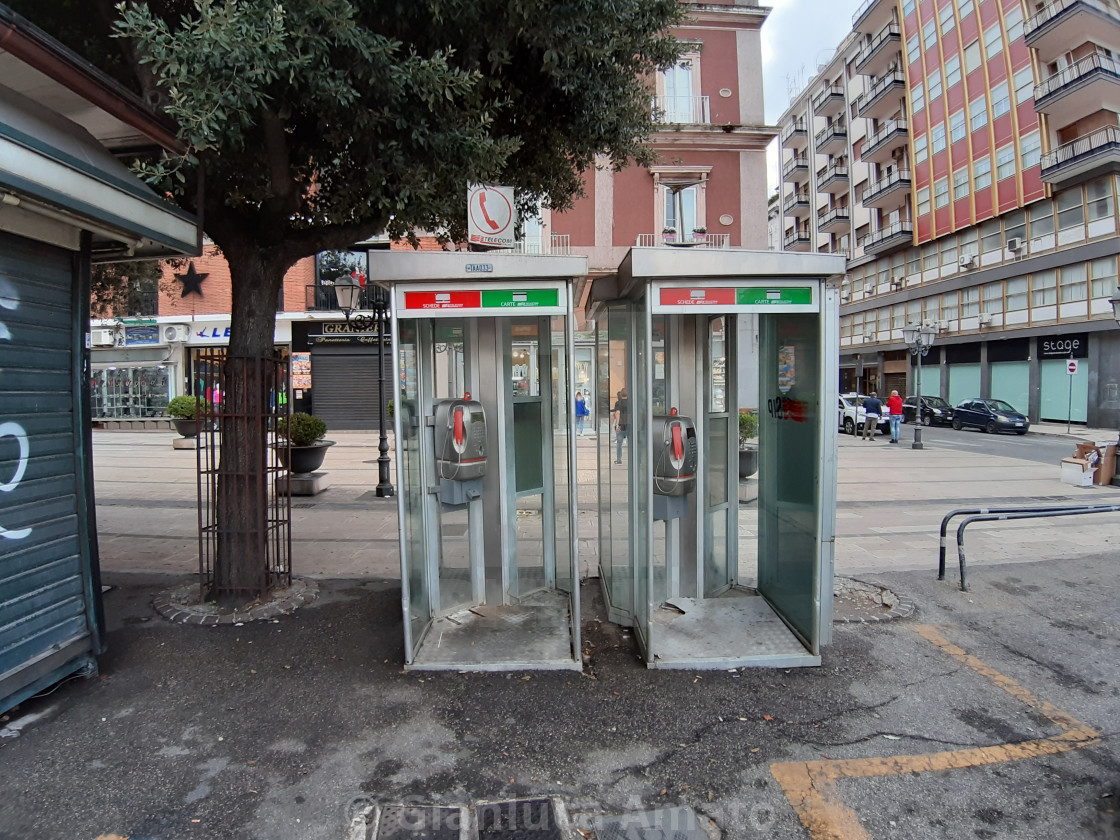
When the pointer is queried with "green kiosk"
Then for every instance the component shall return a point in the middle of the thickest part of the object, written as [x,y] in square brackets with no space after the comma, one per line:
[485,457]
[705,580]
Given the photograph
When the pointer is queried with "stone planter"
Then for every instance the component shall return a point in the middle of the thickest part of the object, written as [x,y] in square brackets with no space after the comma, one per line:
[304,459]
[186,428]
[748,461]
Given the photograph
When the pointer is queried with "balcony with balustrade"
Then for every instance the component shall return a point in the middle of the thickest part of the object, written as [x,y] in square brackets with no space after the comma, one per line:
[889,191]
[884,48]
[1086,157]
[873,15]
[797,204]
[880,146]
[833,178]
[797,240]
[829,102]
[796,169]
[832,138]
[1058,25]
[888,239]
[1083,88]
[795,135]
[883,99]
[682,110]
[834,219]
[684,240]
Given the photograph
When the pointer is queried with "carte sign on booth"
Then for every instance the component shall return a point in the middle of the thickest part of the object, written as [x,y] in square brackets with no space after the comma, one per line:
[491,217]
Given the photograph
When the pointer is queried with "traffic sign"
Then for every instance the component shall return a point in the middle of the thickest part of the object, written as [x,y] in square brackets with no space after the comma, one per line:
[1071,366]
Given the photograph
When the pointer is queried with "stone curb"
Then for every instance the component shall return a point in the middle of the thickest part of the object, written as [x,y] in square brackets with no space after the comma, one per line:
[172,605]
[903,608]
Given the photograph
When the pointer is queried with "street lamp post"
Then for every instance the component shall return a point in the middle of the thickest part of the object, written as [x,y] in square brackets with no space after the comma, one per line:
[348,292]
[919,340]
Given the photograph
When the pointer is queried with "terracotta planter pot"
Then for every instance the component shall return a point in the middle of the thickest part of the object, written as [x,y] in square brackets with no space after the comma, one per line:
[186,428]
[304,459]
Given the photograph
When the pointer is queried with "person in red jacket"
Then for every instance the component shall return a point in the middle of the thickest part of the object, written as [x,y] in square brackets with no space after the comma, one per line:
[894,403]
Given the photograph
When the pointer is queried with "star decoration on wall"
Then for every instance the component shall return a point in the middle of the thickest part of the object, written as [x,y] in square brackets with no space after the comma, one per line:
[192,281]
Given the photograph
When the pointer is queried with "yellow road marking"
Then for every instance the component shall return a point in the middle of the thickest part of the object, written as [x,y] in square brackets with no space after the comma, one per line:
[810,785]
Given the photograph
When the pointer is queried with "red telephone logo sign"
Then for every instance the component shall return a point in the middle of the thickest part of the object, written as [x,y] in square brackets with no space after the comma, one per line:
[491,215]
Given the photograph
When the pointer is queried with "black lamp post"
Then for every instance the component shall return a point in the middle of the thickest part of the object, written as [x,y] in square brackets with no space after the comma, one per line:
[348,291]
[919,340]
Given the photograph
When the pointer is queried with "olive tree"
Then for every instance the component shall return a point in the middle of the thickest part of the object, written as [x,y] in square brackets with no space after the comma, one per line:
[318,123]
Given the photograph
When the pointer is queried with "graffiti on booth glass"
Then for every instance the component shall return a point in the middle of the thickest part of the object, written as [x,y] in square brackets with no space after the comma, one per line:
[9,300]
[782,407]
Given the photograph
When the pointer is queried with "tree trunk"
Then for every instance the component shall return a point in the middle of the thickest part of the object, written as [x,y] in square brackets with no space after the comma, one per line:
[241,561]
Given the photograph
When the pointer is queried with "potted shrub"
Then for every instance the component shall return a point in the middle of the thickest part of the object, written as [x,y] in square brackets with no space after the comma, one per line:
[306,449]
[748,443]
[183,411]
[669,234]
[700,234]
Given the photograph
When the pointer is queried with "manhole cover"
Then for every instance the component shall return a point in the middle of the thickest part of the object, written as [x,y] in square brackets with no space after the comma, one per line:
[518,819]
[405,822]
[663,824]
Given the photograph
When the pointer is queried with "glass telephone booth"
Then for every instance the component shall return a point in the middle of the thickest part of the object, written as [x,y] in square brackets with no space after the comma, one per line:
[704,580]
[485,458]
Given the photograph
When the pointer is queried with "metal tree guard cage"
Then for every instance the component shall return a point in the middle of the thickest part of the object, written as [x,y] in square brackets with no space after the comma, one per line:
[239,455]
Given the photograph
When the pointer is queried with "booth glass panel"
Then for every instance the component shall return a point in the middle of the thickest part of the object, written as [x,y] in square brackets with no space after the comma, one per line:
[666,580]
[720,570]
[563,406]
[409,482]
[615,454]
[640,376]
[532,457]
[789,445]
[604,425]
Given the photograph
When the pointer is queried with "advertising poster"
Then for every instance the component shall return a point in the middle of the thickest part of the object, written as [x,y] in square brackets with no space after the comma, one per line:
[301,371]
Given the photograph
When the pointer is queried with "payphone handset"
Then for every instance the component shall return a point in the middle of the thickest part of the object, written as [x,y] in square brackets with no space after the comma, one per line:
[460,439]
[674,455]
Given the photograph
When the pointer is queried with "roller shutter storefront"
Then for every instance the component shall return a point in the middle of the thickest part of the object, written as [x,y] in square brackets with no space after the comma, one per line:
[49,594]
[344,387]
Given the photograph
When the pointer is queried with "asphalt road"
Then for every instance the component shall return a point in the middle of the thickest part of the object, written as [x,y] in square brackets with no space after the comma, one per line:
[1046,449]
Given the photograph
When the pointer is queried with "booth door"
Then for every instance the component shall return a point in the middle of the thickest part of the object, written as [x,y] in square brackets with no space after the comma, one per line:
[789,493]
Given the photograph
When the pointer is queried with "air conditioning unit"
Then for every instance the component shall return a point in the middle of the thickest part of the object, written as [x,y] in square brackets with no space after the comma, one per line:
[942,326]
[1015,243]
[985,318]
[967,260]
[869,288]
[898,282]
[102,338]
[869,336]
[172,333]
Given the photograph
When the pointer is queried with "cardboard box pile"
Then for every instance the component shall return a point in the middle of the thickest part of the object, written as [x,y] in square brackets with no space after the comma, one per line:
[1092,463]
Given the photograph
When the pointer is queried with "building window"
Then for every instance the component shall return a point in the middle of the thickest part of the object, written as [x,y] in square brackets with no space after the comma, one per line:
[1031,149]
[993,297]
[934,81]
[982,172]
[1074,286]
[1016,294]
[1103,272]
[946,17]
[846,327]
[680,205]
[913,53]
[1071,211]
[952,71]
[918,97]
[970,302]
[1100,198]
[938,134]
[958,128]
[967,8]
[993,41]
[923,201]
[914,262]
[929,34]
[1044,288]
[1005,162]
[949,251]
[1001,100]
[678,103]
[930,310]
[929,257]
[960,183]
[972,57]
[941,192]
[991,237]
[1013,23]
[1041,219]
[908,6]
[921,149]
[1015,225]
[978,112]
[1024,85]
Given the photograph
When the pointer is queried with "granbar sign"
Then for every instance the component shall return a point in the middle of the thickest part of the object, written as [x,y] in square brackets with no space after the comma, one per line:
[1071,346]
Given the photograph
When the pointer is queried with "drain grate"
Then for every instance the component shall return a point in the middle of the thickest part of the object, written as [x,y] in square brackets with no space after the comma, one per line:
[296,505]
[518,819]
[663,824]
[406,822]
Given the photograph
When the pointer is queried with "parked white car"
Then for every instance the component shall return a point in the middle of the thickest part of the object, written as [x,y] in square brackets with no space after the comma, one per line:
[852,416]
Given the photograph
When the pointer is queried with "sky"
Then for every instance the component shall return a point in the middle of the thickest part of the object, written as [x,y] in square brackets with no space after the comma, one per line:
[798,36]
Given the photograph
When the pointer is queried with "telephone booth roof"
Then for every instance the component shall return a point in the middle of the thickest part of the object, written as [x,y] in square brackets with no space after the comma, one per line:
[389,267]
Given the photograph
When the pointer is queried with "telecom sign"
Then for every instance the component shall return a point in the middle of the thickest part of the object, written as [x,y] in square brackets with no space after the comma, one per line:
[736,299]
[490,216]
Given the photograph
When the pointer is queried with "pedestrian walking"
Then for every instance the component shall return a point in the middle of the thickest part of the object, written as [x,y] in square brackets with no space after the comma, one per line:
[894,405]
[621,413]
[872,408]
[581,412]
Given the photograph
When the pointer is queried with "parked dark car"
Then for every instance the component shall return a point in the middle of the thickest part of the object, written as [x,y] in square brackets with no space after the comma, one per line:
[935,411]
[990,415]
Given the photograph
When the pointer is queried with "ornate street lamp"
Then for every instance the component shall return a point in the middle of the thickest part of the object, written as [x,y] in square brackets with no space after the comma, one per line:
[919,340]
[348,292]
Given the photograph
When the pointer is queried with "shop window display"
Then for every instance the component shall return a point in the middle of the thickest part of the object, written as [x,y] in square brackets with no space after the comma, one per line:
[117,392]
